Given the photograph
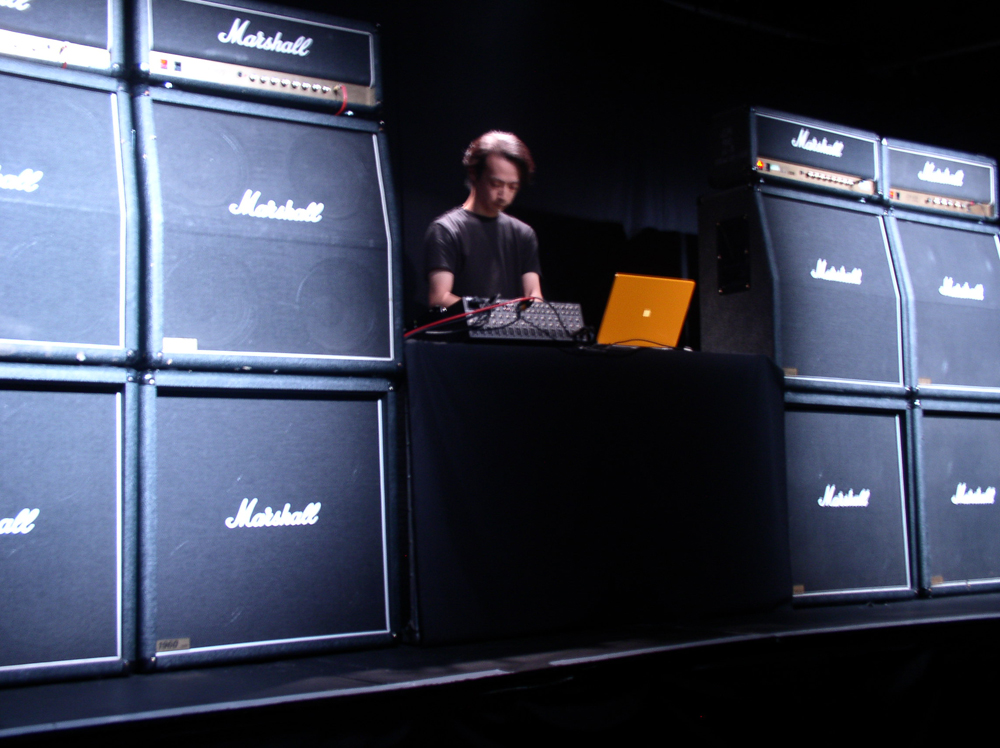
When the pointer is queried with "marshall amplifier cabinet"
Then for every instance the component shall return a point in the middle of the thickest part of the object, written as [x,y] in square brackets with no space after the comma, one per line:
[68,268]
[67,518]
[961,185]
[848,517]
[952,273]
[253,49]
[764,144]
[271,238]
[85,34]
[265,503]
[806,279]
[958,457]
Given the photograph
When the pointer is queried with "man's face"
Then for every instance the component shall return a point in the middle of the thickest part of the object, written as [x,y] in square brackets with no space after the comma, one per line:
[499,183]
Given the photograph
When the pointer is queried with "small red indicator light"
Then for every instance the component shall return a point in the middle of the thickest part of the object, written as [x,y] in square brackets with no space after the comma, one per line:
[760,164]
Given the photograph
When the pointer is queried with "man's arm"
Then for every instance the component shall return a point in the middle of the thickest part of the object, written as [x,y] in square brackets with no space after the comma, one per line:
[531,283]
[440,283]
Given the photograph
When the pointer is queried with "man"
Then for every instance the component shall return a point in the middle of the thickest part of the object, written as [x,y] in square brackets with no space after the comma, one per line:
[477,249]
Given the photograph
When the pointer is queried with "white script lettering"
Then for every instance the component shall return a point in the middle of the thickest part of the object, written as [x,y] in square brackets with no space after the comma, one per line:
[245,517]
[22,524]
[287,212]
[930,174]
[237,35]
[822,272]
[16,4]
[26,181]
[948,288]
[850,499]
[979,496]
[835,149]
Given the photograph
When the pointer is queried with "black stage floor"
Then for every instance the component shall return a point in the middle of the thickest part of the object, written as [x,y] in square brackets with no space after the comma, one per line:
[903,668]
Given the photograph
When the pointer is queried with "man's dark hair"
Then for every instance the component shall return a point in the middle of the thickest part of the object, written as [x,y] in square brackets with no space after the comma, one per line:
[505,144]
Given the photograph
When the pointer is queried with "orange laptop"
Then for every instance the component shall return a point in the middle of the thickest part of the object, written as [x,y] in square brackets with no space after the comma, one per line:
[645,311]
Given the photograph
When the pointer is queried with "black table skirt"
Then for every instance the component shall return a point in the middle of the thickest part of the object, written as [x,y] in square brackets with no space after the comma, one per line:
[554,488]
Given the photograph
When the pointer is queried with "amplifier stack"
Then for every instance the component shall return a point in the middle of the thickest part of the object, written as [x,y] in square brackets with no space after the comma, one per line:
[199,336]
[867,268]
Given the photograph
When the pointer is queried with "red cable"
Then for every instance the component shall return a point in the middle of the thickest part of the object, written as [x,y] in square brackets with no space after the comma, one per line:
[343,93]
[415,330]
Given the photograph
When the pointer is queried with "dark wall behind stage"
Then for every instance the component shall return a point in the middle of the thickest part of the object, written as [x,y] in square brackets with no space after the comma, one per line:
[615,99]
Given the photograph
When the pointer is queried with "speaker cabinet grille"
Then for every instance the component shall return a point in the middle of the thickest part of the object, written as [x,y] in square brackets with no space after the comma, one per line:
[62,208]
[955,281]
[61,529]
[269,512]
[818,292]
[846,503]
[960,515]
[273,238]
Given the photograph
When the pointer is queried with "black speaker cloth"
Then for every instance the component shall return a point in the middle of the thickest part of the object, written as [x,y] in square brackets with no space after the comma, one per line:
[61,244]
[962,527]
[219,585]
[958,339]
[833,457]
[240,282]
[839,309]
[59,580]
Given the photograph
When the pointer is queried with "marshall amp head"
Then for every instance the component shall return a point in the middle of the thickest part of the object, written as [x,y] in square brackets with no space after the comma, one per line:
[927,178]
[254,49]
[764,144]
[84,34]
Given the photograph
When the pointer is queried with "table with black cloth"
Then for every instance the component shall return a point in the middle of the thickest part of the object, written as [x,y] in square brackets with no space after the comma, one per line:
[557,488]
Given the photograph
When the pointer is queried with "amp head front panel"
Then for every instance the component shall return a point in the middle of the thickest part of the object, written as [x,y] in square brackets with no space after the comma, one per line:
[275,245]
[839,311]
[63,212]
[955,281]
[846,503]
[72,33]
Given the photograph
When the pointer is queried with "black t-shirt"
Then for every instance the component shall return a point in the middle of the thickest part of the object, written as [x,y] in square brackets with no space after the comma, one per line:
[487,255]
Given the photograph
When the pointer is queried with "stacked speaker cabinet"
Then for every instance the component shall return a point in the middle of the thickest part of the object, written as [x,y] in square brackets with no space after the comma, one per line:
[67,519]
[797,264]
[950,258]
[68,268]
[271,258]
[266,515]
[270,242]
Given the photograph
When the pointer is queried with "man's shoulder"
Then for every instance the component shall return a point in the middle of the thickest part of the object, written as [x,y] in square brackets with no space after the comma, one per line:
[452,219]
[517,225]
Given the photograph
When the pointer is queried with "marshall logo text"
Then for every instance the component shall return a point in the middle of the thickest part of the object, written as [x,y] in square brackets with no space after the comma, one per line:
[245,517]
[26,181]
[16,4]
[287,212]
[22,524]
[237,35]
[835,149]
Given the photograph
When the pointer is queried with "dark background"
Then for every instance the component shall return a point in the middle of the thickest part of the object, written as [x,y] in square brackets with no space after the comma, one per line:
[615,101]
